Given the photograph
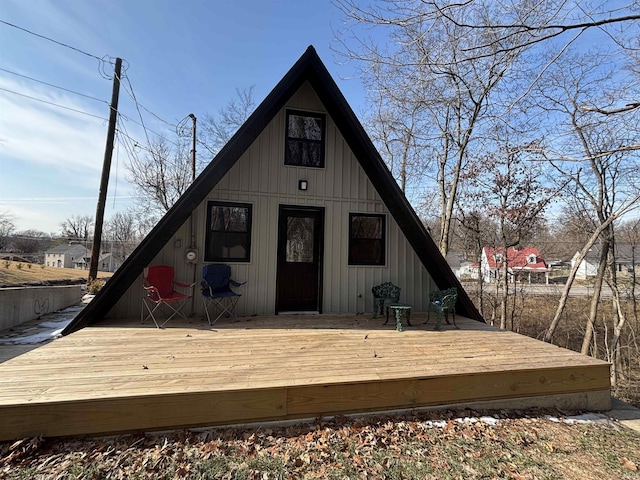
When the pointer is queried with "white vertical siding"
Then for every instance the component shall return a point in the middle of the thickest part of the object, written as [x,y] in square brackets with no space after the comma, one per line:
[260,178]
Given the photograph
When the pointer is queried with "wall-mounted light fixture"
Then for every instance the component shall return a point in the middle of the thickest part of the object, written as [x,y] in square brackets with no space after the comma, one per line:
[302,184]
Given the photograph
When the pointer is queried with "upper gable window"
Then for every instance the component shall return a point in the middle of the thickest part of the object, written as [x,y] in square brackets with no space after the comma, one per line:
[305,139]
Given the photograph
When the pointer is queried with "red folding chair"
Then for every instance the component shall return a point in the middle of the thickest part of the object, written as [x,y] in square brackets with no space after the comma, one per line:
[159,287]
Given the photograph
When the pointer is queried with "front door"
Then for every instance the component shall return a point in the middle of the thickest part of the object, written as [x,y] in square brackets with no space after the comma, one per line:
[299,277]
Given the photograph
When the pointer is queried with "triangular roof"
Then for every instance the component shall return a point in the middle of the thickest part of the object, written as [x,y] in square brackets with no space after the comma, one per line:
[308,68]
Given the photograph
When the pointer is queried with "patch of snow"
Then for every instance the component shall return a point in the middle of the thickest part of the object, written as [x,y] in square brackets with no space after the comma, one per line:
[436,423]
[39,337]
[586,418]
[583,418]
[489,420]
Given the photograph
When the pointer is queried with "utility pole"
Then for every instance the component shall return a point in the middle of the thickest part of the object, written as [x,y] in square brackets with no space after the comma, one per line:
[193,147]
[106,170]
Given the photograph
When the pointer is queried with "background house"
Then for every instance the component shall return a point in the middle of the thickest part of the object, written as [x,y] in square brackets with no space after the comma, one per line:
[79,257]
[66,256]
[627,261]
[523,264]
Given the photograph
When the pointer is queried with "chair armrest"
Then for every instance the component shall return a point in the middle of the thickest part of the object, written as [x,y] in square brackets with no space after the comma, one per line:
[236,284]
[184,285]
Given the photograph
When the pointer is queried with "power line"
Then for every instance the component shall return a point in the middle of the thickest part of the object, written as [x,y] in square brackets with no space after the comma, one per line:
[132,95]
[54,86]
[53,104]
[52,40]
[148,129]
[144,128]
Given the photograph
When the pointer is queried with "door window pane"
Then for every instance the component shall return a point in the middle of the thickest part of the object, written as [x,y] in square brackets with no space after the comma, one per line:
[300,246]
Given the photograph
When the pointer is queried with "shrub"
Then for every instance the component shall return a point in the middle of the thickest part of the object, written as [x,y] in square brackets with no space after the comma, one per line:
[94,286]
[19,266]
[6,263]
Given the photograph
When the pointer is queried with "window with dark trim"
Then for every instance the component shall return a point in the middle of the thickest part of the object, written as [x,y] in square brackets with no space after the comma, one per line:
[228,236]
[366,239]
[304,144]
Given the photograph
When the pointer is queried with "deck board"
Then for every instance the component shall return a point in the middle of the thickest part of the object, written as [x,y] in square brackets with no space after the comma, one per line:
[106,378]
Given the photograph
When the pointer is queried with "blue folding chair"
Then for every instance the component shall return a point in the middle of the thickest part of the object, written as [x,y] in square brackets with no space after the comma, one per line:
[216,291]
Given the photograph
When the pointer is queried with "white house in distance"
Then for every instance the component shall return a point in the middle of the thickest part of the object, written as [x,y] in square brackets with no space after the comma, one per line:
[522,263]
[78,256]
[66,256]
[626,262]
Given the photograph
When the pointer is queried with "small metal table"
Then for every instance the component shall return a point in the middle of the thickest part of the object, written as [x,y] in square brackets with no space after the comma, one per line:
[401,310]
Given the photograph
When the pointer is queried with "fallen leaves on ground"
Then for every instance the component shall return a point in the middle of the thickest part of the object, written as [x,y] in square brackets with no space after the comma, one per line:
[438,445]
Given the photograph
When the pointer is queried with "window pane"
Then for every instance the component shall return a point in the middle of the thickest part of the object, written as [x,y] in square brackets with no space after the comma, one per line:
[228,245]
[228,232]
[230,219]
[366,239]
[366,227]
[366,252]
[309,128]
[304,153]
[299,247]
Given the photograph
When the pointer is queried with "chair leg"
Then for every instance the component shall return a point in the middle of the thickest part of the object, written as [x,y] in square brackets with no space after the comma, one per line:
[206,309]
[150,313]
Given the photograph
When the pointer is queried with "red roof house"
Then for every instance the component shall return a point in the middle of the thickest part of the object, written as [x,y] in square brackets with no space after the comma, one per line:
[522,263]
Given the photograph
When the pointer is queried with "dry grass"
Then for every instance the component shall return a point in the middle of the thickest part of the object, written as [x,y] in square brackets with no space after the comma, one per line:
[438,445]
[21,273]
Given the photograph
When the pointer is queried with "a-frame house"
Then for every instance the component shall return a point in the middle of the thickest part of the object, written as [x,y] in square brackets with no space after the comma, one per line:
[303,208]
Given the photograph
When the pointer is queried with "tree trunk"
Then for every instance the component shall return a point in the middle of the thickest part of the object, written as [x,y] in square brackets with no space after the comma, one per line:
[595,299]
[504,281]
[562,303]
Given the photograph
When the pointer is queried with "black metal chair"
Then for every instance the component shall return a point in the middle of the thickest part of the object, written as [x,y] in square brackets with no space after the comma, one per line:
[384,295]
[216,291]
[442,302]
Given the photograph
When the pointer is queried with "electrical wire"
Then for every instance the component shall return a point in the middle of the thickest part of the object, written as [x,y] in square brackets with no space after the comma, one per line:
[133,97]
[52,40]
[147,129]
[54,104]
[54,86]
[144,128]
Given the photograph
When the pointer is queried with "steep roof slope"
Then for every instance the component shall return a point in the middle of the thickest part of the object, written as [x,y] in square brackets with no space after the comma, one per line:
[308,68]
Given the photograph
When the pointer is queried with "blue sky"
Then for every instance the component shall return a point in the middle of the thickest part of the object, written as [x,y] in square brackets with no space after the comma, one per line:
[180,57]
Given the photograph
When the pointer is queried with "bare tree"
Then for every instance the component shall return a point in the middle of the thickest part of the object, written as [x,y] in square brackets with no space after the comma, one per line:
[591,152]
[77,227]
[7,227]
[161,176]
[433,101]
[510,192]
[164,172]
[122,234]
[218,129]
[31,241]
[562,26]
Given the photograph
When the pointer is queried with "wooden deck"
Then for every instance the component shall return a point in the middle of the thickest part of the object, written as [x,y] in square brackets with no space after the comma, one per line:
[130,377]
